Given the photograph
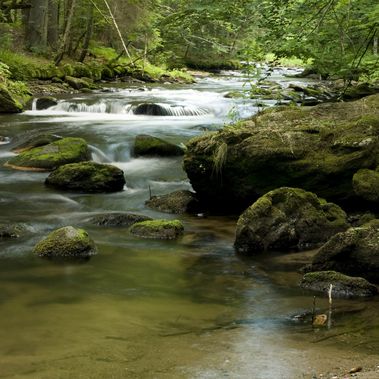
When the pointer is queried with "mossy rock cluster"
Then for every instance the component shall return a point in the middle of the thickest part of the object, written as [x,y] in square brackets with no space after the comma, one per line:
[316,148]
[51,156]
[87,177]
[146,145]
[66,243]
[158,229]
[177,202]
[288,218]
[354,252]
[343,285]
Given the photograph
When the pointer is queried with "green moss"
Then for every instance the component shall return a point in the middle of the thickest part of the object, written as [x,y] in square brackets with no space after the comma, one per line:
[66,242]
[148,145]
[366,184]
[53,155]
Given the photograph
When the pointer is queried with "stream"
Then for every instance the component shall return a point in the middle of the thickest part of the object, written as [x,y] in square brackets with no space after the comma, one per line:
[188,308]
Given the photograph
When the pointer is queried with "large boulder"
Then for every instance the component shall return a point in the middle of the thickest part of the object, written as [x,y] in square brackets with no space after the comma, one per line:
[354,252]
[177,202]
[366,185]
[288,218]
[153,146]
[158,229]
[87,177]
[343,285]
[316,148]
[52,155]
[121,219]
[45,102]
[66,242]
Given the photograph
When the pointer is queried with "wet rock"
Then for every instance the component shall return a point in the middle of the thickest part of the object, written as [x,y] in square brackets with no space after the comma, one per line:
[118,219]
[87,177]
[343,285]
[150,110]
[11,230]
[366,184]
[177,202]
[66,242]
[288,218]
[316,148]
[146,145]
[359,91]
[45,102]
[51,156]
[354,252]
[36,141]
[158,229]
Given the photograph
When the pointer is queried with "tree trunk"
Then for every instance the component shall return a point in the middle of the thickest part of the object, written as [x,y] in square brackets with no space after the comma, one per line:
[375,46]
[88,35]
[66,34]
[53,25]
[36,36]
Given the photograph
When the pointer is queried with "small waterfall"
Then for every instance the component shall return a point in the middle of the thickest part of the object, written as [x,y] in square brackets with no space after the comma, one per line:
[156,109]
[100,107]
[34,104]
[98,155]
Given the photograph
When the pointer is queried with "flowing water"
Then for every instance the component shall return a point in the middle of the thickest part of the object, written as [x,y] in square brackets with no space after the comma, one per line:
[154,309]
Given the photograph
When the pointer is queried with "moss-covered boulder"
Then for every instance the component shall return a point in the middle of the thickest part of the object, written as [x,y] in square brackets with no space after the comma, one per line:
[122,219]
[87,177]
[51,156]
[11,230]
[288,218]
[354,252]
[8,101]
[366,184]
[316,148]
[146,145]
[77,83]
[343,285]
[36,141]
[66,242]
[158,229]
[177,202]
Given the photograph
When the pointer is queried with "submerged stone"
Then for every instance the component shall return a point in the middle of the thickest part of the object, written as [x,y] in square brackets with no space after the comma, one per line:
[66,242]
[52,155]
[87,177]
[343,285]
[11,230]
[146,145]
[118,219]
[288,218]
[158,229]
[177,202]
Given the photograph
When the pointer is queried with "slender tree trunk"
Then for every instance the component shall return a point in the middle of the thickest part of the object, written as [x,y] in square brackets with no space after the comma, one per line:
[375,46]
[88,35]
[66,34]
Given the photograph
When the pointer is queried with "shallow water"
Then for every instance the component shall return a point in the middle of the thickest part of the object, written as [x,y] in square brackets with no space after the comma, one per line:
[188,308]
